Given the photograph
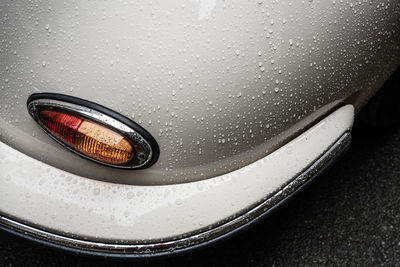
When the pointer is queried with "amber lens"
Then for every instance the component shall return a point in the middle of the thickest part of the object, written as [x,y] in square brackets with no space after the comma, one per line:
[102,144]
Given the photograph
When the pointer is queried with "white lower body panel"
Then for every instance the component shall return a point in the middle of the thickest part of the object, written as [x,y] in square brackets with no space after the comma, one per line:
[65,206]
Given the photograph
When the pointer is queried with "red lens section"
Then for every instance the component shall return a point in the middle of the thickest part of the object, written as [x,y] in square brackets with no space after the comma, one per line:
[63,126]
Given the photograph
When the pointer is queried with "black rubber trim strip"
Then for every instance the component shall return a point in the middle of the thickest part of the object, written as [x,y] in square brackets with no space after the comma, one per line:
[304,179]
[89,104]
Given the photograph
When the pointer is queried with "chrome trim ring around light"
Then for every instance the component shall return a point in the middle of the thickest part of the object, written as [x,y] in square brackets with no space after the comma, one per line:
[174,246]
[144,152]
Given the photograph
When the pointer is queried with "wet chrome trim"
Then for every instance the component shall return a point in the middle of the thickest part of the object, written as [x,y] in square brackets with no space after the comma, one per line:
[189,242]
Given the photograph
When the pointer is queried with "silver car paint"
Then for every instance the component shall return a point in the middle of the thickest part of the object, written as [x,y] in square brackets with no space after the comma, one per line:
[218,84]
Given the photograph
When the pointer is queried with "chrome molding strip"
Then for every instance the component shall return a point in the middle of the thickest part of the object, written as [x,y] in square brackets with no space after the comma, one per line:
[189,242]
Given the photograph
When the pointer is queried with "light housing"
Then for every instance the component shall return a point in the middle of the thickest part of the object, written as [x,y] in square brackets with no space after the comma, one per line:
[93,131]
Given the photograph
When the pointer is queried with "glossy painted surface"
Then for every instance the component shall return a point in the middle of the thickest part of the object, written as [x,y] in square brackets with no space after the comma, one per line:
[35,193]
[218,84]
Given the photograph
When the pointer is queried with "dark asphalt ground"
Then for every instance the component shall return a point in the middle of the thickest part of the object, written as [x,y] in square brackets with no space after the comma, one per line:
[349,216]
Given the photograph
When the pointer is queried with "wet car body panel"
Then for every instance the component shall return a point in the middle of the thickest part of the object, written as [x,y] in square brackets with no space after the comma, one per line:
[243,98]
[218,84]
